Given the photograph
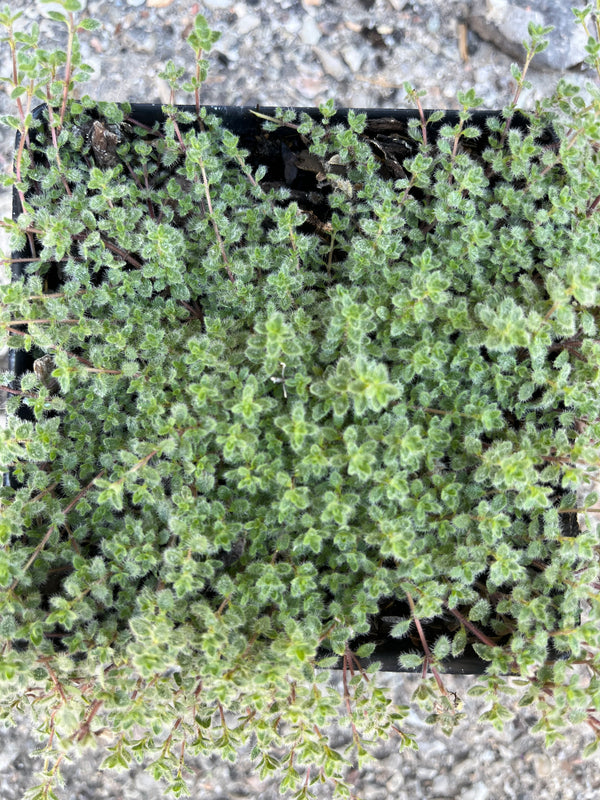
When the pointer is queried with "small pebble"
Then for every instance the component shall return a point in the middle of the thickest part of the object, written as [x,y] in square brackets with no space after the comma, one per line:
[247,23]
[442,786]
[359,97]
[309,32]
[426,773]
[8,753]
[542,764]
[433,23]
[332,65]
[394,784]
[140,40]
[479,791]
[353,57]
[309,86]
[292,25]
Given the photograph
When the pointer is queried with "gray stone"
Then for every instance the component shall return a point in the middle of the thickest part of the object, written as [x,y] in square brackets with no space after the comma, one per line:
[247,23]
[230,42]
[466,768]
[479,791]
[310,82]
[9,751]
[332,65]
[145,783]
[140,41]
[433,23]
[426,773]
[542,764]
[504,23]
[394,783]
[359,97]
[374,792]
[292,24]
[442,786]
[309,32]
[353,57]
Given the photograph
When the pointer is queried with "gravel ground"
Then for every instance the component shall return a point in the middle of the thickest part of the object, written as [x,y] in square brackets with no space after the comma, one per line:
[287,52]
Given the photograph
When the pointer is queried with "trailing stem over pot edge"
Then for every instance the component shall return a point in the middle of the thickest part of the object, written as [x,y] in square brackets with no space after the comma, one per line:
[264,409]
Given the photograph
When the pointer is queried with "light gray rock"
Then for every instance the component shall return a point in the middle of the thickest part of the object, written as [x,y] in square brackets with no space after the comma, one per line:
[360,97]
[394,784]
[291,24]
[310,83]
[10,750]
[309,32]
[229,44]
[247,23]
[433,23]
[140,41]
[479,791]
[542,764]
[374,792]
[332,65]
[442,786]
[504,23]
[353,57]
[426,773]
[466,768]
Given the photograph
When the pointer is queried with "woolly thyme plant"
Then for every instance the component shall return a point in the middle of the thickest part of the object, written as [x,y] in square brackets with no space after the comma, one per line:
[249,430]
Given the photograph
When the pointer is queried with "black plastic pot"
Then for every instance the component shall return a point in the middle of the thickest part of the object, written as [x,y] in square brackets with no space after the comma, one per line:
[273,150]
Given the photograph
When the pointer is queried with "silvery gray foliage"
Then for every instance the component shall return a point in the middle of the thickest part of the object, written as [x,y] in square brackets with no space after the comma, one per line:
[258,425]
